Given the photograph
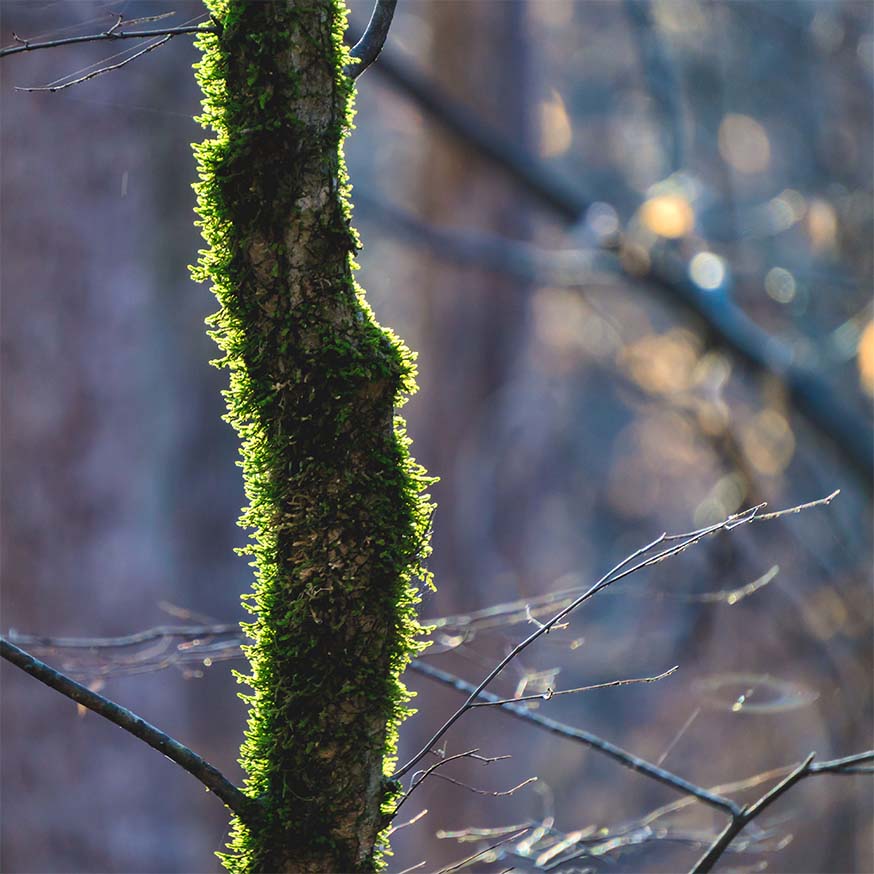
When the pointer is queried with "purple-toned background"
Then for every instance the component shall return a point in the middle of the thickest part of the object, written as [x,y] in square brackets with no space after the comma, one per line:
[568,425]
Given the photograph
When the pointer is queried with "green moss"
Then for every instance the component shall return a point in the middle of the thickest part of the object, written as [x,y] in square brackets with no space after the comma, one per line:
[338,519]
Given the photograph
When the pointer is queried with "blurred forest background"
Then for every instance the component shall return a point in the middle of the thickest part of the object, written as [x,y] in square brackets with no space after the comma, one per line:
[573,402]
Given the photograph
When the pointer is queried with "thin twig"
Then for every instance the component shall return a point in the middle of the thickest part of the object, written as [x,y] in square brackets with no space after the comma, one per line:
[676,738]
[553,693]
[367,49]
[489,792]
[244,806]
[99,72]
[406,824]
[684,541]
[624,758]
[111,34]
[458,865]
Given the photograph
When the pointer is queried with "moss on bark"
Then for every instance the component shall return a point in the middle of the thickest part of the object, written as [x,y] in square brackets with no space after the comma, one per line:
[338,519]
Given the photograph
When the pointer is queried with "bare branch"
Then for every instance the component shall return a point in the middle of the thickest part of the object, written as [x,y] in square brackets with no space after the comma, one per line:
[739,821]
[514,612]
[420,776]
[111,34]
[367,49]
[244,806]
[682,542]
[552,693]
[466,861]
[157,633]
[624,758]
[99,72]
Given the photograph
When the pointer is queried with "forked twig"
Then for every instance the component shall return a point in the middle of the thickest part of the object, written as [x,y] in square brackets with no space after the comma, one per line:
[739,821]
[420,776]
[95,73]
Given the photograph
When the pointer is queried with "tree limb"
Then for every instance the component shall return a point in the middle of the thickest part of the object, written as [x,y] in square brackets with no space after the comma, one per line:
[27,46]
[367,49]
[739,821]
[624,758]
[244,806]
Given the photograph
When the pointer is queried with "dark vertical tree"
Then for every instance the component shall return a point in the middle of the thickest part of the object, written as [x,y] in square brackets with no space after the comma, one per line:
[339,524]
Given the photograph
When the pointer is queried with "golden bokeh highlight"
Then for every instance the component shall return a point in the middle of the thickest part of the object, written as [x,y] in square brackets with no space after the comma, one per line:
[668,215]
[744,144]
[822,225]
[568,330]
[556,133]
[768,442]
[663,364]
[866,359]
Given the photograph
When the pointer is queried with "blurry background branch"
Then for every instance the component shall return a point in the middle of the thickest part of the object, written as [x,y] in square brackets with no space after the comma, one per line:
[661,79]
[725,323]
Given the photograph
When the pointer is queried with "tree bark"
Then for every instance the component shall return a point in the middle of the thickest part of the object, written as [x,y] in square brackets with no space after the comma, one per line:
[339,525]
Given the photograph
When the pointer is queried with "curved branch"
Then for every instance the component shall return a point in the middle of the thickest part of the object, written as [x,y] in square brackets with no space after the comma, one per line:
[244,806]
[367,49]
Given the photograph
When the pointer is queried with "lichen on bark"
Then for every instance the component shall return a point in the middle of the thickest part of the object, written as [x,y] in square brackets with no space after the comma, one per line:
[336,507]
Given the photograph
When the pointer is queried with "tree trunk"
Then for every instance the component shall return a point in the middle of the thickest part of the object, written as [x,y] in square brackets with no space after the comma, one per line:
[339,525]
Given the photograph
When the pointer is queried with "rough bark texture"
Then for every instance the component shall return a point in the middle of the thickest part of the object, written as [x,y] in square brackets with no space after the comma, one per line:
[338,522]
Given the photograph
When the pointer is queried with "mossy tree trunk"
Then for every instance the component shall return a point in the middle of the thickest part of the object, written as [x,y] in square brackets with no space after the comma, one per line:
[335,505]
